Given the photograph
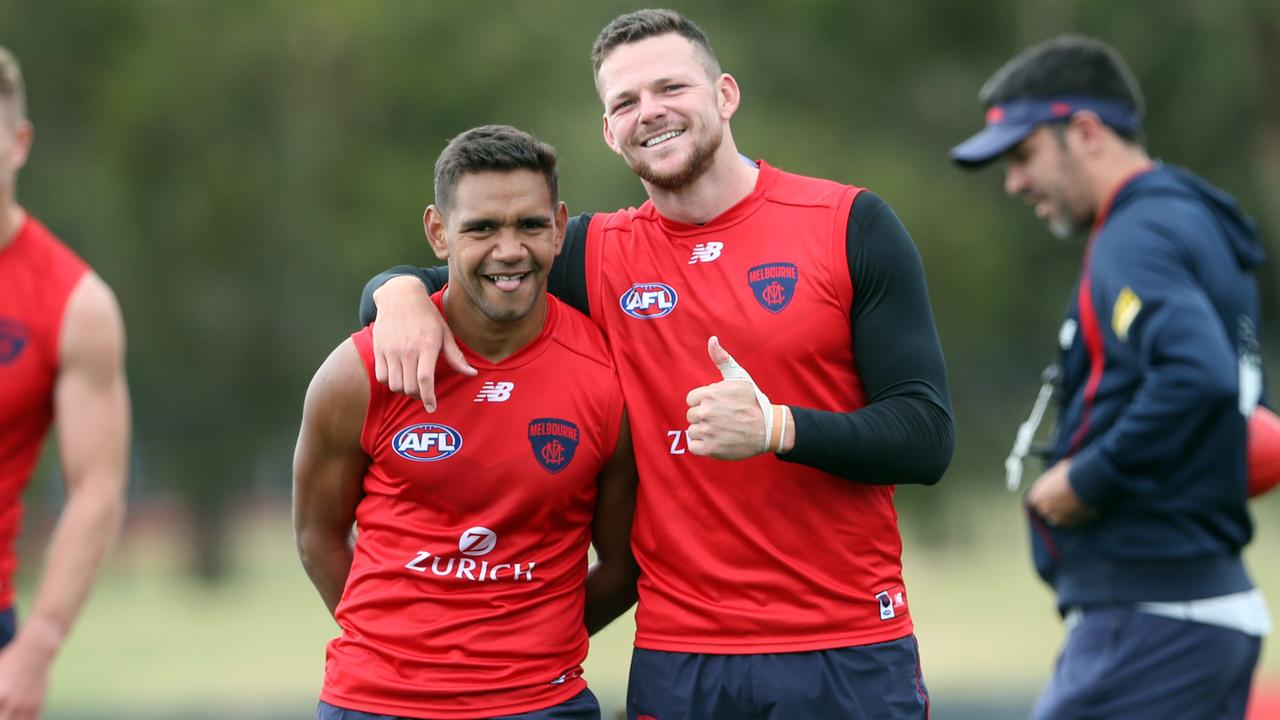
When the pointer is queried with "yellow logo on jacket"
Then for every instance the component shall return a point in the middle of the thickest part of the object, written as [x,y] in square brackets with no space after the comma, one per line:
[1124,312]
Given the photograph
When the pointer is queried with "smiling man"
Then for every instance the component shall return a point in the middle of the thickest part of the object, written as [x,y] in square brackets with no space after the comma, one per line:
[1140,520]
[771,576]
[467,593]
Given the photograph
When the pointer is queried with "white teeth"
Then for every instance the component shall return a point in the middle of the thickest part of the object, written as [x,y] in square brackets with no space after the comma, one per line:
[662,138]
[499,278]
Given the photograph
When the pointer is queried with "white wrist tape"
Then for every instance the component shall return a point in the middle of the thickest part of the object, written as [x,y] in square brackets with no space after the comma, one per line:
[775,418]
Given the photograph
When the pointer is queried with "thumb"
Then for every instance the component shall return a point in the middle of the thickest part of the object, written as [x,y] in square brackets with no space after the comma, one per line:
[729,368]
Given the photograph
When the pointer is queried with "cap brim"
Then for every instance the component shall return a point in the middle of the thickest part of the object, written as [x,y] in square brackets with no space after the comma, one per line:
[990,143]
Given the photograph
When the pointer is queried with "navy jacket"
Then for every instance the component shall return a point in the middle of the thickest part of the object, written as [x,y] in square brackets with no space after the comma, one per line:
[1153,406]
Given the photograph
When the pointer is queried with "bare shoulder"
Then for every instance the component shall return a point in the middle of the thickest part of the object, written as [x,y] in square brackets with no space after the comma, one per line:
[92,326]
[339,391]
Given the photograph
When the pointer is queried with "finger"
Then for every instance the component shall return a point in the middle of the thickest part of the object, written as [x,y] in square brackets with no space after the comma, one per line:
[409,378]
[729,368]
[696,396]
[425,382]
[395,377]
[697,446]
[453,355]
[694,415]
[380,367]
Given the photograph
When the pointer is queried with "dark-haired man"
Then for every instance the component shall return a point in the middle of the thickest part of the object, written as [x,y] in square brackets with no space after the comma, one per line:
[1139,521]
[467,593]
[770,587]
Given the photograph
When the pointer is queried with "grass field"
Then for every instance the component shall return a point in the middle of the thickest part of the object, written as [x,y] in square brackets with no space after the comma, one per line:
[155,643]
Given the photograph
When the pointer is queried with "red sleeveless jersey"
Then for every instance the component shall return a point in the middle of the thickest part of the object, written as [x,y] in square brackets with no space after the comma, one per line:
[759,555]
[37,276]
[466,594]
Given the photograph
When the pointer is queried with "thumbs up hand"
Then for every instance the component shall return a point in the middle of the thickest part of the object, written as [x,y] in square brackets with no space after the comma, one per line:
[732,419]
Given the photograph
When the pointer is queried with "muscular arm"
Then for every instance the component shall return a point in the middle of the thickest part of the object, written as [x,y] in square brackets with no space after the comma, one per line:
[611,581]
[328,469]
[91,406]
[905,433]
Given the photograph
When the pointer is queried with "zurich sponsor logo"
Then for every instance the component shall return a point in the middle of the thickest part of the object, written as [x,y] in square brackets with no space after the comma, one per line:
[477,541]
[426,442]
[774,284]
[648,300]
[554,442]
[13,338]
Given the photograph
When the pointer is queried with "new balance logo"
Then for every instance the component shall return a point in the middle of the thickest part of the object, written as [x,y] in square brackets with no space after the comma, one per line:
[706,252]
[495,392]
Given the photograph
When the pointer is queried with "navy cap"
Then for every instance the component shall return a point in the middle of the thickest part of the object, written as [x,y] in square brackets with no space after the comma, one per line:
[1010,123]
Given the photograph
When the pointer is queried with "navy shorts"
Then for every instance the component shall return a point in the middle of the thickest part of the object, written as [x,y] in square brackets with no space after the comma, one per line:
[881,681]
[1122,664]
[582,706]
[8,625]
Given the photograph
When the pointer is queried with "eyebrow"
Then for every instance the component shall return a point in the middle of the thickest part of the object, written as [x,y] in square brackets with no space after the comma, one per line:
[483,222]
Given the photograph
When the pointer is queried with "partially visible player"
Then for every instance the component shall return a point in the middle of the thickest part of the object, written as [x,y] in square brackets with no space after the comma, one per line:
[1140,520]
[61,358]
[467,593]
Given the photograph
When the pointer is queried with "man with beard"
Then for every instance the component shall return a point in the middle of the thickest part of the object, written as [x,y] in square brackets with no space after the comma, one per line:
[770,586]
[1140,520]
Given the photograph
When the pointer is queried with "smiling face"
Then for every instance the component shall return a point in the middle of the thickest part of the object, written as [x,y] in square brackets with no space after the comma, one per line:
[665,113]
[500,236]
[1045,171]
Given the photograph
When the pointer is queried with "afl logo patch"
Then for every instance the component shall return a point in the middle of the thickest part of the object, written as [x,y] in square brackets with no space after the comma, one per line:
[774,284]
[554,441]
[13,338]
[426,442]
[648,300]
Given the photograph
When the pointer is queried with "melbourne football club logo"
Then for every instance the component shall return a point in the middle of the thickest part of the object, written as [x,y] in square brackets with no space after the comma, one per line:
[427,442]
[13,338]
[648,300]
[477,541]
[554,442]
[774,284]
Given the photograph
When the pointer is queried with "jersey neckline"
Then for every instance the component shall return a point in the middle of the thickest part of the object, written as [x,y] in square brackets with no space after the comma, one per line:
[525,354]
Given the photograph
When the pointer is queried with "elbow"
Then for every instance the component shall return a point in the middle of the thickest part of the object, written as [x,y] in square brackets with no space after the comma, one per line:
[930,458]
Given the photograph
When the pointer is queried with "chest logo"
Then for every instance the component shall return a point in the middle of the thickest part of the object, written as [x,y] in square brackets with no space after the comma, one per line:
[427,442]
[13,338]
[554,442]
[648,300]
[477,541]
[774,284]
[706,252]
[495,392]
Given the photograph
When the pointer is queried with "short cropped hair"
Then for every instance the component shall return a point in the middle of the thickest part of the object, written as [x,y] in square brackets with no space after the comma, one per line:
[13,94]
[493,148]
[1066,66]
[643,24]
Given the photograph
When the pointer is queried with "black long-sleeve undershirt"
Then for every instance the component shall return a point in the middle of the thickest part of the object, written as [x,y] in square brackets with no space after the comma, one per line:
[905,433]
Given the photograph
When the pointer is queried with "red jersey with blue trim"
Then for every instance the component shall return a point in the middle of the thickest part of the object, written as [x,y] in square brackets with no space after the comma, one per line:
[37,275]
[759,555]
[466,593]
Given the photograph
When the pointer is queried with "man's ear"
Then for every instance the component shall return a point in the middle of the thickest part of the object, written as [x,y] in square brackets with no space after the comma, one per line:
[433,223]
[728,96]
[562,222]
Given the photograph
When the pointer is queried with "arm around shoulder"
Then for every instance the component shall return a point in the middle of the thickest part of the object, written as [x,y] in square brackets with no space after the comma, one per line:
[611,580]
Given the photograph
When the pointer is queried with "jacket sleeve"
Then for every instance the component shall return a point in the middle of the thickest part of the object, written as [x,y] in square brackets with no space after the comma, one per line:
[1151,307]
[905,433]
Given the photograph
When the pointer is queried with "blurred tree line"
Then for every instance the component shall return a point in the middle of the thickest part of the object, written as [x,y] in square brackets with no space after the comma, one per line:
[237,171]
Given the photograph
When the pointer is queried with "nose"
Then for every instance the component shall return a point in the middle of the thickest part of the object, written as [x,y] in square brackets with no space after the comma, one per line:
[1015,180]
[651,109]
[508,248]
